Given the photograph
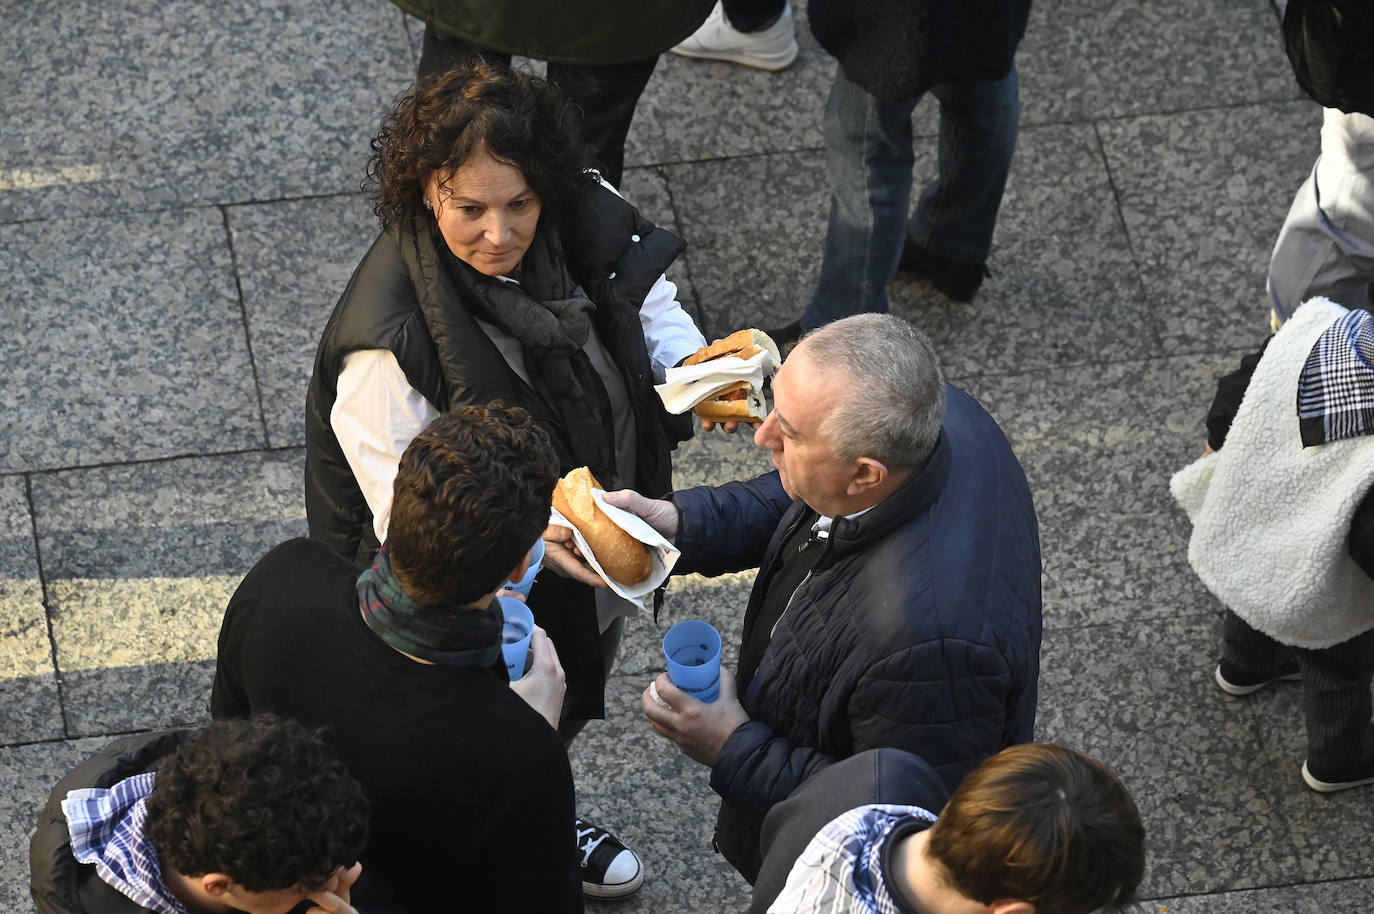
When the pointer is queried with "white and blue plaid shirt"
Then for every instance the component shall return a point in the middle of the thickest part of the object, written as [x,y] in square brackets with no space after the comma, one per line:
[106,827]
[841,870]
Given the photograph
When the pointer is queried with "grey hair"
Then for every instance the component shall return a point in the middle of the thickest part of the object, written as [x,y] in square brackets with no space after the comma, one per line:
[893,407]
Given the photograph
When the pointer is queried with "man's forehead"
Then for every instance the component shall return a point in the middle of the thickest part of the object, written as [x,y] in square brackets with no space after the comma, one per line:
[807,392]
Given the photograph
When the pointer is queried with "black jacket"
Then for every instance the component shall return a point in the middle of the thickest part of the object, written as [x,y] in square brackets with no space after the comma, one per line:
[594,32]
[1330,44]
[58,883]
[919,628]
[616,256]
[897,49]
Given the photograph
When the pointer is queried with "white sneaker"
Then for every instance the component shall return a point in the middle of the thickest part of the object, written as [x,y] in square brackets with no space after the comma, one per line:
[768,49]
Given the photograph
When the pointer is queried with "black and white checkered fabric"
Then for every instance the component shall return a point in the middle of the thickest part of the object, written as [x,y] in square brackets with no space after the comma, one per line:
[1336,387]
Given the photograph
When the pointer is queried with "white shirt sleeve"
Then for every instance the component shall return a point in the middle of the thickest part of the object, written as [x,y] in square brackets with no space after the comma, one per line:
[669,331]
[376,414]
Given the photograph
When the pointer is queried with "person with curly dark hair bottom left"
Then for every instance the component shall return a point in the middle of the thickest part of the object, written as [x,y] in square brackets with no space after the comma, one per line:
[253,815]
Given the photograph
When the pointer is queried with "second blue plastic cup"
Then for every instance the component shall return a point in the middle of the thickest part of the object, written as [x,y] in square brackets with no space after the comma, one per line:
[524,585]
[515,635]
[692,649]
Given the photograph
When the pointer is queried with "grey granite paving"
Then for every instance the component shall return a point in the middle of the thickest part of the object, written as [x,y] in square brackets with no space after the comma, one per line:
[125,106]
[122,338]
[179,211]
[29,702]
[140,561]
[27,774]
[1089,59]
[293,261]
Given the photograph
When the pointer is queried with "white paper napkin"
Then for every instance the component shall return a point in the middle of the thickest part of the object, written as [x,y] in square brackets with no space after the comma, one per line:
[662,553]
[685,387]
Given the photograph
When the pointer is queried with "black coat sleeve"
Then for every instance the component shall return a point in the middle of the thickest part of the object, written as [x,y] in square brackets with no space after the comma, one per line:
[1230,391]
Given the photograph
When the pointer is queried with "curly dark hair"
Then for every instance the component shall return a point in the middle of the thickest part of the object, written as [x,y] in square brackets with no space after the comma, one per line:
[262,800]
[521,120]
[472,494]
[1044,824]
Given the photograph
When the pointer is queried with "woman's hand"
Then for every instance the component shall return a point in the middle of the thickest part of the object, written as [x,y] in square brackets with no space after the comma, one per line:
[562,555]
[543,686]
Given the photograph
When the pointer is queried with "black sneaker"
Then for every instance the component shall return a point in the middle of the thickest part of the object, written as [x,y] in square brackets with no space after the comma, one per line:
[1338,780]
[609,868]
[1233,683]
[786,337]
[959,279]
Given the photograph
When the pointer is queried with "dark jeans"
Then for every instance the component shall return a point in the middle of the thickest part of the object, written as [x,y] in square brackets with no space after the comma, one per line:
[752,15]
[606,95]
[869,159]
[1335,691]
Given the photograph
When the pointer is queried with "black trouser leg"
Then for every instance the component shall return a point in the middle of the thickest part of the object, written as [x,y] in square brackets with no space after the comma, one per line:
[752,15]
[1337,705]
[607,96]
[1248,652]
[610,644]
[441,53]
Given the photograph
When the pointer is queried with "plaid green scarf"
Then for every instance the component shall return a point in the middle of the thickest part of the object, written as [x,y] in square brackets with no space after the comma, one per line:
[461,638]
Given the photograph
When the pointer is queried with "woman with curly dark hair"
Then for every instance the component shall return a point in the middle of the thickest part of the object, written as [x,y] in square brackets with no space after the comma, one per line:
[505,270]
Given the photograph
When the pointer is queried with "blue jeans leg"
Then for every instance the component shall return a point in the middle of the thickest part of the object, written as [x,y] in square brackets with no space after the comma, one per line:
[868,159]
[957,211]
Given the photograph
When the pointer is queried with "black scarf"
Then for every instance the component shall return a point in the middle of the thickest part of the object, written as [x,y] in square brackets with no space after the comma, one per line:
[551,317]
[459,638]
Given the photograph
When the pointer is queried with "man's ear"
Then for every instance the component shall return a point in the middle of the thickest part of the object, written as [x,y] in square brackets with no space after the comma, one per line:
[215,884]
[867,474]
[1011,906]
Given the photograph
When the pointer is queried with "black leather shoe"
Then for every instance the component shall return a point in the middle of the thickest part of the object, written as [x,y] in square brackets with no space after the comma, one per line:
[959,279]
[786,337]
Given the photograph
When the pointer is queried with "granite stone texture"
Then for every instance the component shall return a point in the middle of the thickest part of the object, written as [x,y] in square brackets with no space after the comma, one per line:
[122,338]
[1203,195]
[1064,288]
[755,232]
[707,109]
[30,707]
[1335,897]
[1104,439]
[27,775]
[1090,59]
[293,261]
[635,783]
[124,106]
[1140,696]
[1333,833]
[140,561]
[1118,569]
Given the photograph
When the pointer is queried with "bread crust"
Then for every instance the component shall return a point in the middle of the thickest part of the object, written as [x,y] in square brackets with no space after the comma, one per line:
[748,409]
[741,343]
[620,555]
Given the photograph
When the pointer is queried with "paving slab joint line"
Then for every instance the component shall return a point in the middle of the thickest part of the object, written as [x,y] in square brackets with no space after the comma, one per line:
[243,316]
[47,606]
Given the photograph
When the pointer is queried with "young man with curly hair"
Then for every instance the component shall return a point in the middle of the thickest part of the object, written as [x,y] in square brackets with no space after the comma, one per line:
[1035,828]
[247,815]
[471,790]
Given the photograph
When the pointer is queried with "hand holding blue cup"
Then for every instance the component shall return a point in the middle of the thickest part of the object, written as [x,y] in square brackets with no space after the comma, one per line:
[692,649]
[515,635]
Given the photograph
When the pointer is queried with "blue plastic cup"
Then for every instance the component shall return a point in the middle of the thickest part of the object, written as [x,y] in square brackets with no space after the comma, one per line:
[524,585]
[515,635]
[692,649]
